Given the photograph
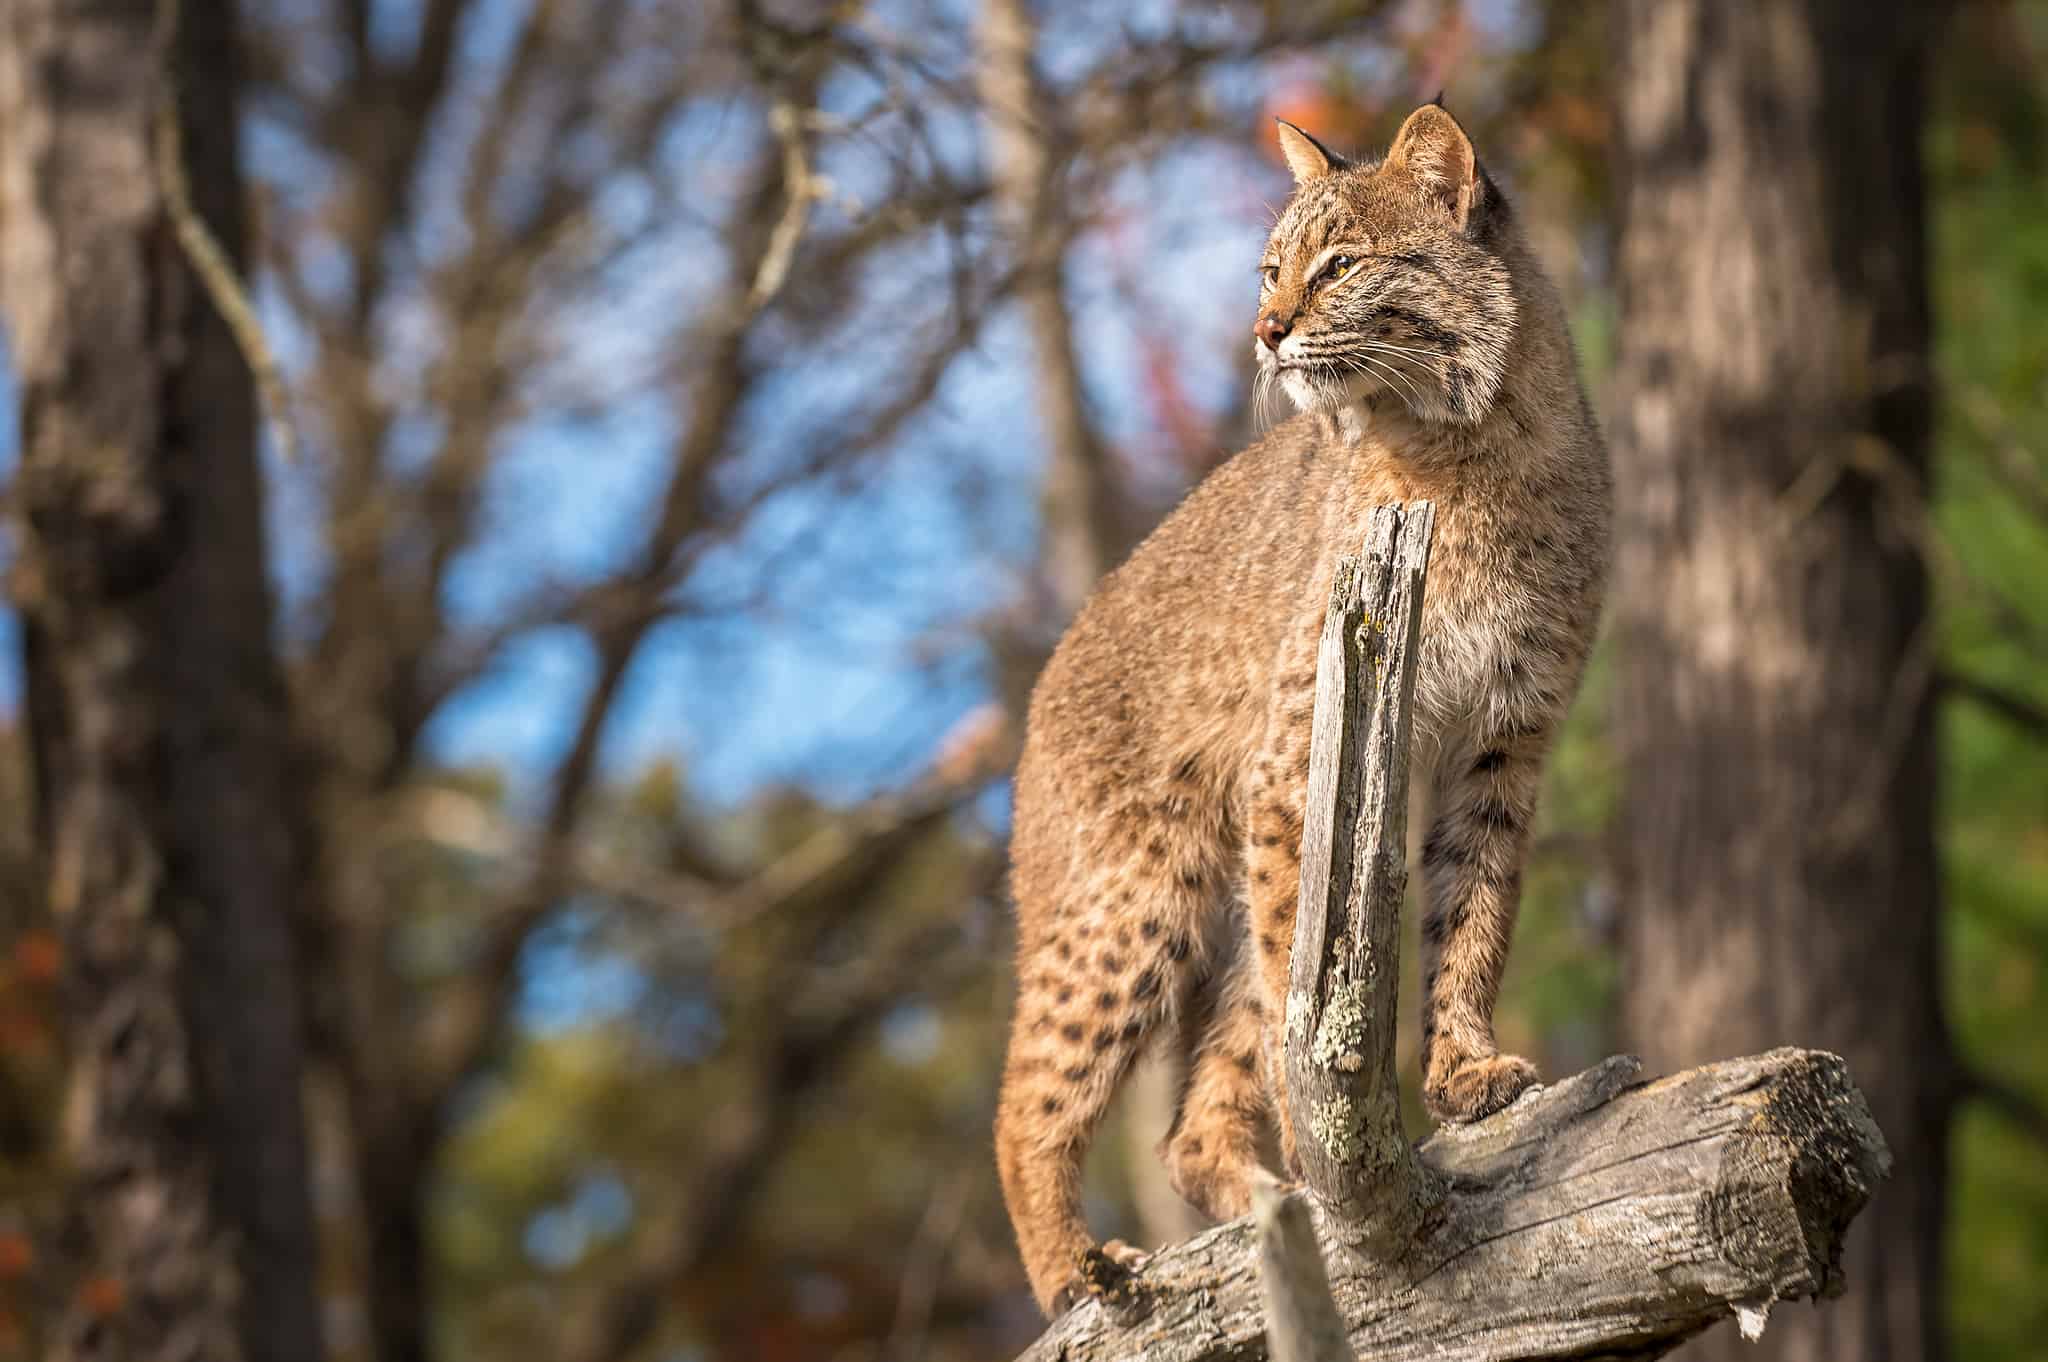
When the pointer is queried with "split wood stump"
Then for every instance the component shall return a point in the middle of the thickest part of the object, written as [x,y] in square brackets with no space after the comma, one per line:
[1604,1216]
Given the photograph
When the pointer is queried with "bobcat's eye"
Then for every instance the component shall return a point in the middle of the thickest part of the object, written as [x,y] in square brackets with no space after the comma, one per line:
[1338,267]
[1269,275]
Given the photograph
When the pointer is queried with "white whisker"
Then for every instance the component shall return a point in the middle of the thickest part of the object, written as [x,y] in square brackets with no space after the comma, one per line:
[1402,349]
[1428,372]
[1389,371]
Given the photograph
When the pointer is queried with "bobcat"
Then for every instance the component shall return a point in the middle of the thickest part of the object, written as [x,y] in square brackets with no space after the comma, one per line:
[1166,753]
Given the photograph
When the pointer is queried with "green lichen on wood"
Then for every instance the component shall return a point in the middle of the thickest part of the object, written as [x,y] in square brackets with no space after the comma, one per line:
[1341,1035]
[1335,1125]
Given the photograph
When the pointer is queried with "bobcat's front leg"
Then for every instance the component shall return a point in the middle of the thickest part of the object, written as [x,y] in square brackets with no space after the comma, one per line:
[1472,866]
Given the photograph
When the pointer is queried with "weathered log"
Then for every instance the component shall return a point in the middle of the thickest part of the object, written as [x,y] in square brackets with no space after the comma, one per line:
[1600,1217]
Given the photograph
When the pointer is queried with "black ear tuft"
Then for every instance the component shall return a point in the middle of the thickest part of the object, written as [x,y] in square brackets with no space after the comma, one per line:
[1439,100]
[1489,206]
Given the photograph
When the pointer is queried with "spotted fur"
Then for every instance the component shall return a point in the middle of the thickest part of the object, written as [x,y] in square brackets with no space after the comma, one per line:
[1159,797]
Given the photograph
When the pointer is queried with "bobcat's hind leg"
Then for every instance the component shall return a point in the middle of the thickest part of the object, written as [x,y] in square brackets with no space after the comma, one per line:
[1213,1149]
[1094,981]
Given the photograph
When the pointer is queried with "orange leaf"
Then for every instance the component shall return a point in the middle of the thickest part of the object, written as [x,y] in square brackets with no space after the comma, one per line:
[38,956]
[21,1032]
[102,1296]
[1338,122]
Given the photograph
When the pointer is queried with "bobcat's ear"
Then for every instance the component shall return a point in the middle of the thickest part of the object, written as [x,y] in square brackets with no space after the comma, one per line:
[1433,150]
[1306,157]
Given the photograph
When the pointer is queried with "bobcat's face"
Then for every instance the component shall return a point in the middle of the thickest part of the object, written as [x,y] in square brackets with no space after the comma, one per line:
[1379,282]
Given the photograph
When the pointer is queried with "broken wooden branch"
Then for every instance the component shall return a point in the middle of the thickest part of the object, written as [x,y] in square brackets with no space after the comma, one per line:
[1343,1093]
[1600,1216]
[1302,1323]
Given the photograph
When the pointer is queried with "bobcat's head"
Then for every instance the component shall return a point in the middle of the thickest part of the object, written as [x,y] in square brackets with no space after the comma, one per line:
[1387,280]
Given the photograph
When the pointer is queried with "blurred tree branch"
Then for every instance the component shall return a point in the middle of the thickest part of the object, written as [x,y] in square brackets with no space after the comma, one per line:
[1080,498]
[2007,704]
[2025,1112]
[750,1135]
[2016,468]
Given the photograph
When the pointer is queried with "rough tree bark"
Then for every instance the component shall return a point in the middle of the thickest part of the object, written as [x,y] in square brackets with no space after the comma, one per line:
[155,695]
[1602,1216]
[1771,408]
[1302,1322]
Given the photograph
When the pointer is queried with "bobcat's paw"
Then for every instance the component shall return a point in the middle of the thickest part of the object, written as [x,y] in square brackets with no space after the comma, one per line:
[1478,1087]
[1108,1273]
[1125,1256]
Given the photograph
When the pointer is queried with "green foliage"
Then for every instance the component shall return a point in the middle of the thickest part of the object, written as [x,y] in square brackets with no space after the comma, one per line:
[1991,291]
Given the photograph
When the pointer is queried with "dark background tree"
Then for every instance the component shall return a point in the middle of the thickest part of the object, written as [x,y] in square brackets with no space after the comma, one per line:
[156,705]
[1774,698]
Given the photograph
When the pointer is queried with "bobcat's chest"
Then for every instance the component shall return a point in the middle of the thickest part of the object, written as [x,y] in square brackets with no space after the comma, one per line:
[1481,631]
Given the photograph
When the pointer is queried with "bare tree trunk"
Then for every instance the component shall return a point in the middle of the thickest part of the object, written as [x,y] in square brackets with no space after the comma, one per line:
[392,1175]
[160,710]
[1771,422]
[1083,534]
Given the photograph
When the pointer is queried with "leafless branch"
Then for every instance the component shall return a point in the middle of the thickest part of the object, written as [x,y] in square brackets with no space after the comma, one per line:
[2025,1112]
[2017,468]
[2007,704]
[924,1268]
[1080,497]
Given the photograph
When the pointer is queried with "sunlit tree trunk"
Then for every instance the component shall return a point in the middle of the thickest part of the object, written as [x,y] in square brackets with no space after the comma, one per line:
[160,742]
[1771,421]
[1082,534]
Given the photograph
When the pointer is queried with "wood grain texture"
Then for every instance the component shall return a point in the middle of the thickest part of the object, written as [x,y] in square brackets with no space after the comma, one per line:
[1302,1321]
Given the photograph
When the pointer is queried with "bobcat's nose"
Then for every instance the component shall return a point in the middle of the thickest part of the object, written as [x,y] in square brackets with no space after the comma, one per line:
[1272,329]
